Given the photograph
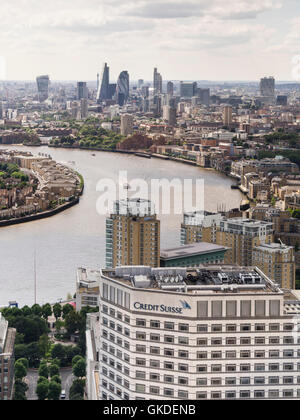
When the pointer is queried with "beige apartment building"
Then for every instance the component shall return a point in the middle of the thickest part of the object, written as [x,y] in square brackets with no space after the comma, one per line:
[277,261]
[241,236]
[133,234]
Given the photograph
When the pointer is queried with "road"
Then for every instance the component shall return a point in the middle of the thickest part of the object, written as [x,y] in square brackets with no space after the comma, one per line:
[32,377]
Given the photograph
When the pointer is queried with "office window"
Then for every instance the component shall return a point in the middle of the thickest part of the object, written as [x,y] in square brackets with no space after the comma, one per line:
[273,393]
[216,341]
[216,307]
[202,328]
[183,394]
[140,374]
[231,308]
[154,390]
[216,395]
[216,328]
[245,308]
[141,323]
[274,307]
[154,324]
[169,325]
[201,382]
[183,327]
[260,308]
[201,395]
[202,309]
[245,394]
[183,340]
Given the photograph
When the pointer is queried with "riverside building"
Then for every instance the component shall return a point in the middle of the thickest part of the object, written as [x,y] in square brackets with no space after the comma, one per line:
[133,234]
[217,332]
[241,236]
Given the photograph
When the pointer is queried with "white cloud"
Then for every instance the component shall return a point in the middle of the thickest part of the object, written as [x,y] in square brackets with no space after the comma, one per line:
[132,30]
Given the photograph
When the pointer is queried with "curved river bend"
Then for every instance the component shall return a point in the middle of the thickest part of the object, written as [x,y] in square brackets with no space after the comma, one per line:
[76,237]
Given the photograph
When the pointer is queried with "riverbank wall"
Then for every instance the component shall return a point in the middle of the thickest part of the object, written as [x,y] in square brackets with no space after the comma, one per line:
[38,216]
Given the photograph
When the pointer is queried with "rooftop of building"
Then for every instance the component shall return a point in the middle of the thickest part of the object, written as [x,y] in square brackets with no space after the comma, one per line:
[191,250]
[207,279]
[87,277]
[251,223]
[273,247]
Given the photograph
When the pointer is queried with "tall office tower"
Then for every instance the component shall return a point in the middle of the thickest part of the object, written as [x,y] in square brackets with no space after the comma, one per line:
[241,236]
[170,88]
[156,106]
[188,89]
[103,88]
[145,91]
[146,105]
[140,83]
[112,87]
[122,90]
[84,108]
[218,332]
[82,90]
[267,86]
[277,261]
[157,82]
[227,115]
[169,115]
[43,87]
[204,96]
[126,124]
[133,234]
[7,359]
[193,223]
[75,110]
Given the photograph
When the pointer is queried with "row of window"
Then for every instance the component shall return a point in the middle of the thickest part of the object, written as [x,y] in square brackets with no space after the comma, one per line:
[215,341]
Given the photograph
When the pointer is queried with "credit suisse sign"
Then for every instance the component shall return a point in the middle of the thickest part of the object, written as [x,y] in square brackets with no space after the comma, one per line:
[162,308]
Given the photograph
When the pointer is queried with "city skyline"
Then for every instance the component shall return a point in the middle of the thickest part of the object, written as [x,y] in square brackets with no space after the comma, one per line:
[70,42]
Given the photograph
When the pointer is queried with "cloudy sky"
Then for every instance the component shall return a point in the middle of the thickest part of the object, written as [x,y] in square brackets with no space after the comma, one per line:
[191,39]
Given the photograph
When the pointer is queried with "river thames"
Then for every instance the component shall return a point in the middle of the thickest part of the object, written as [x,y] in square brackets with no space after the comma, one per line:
[76,237]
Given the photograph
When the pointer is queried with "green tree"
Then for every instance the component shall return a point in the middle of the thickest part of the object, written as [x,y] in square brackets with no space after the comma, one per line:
[76,359]
[46,311]
[53,370]
[36,309]
[42,390]
[24,362]
[43,370]
[77,387]
[44,344]
[79,369]
[76,397]
[54,390]
[57,310]
[73,322]
[67,309]
[20,371]
[56,378]
[58,351]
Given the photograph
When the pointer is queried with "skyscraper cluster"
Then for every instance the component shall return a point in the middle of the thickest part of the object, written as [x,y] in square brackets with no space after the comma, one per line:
[107,91]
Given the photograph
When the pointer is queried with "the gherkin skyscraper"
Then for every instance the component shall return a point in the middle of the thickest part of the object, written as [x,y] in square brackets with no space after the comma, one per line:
[123,88]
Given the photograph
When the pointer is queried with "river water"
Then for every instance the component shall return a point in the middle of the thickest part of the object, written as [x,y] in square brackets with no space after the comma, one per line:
[76,237]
